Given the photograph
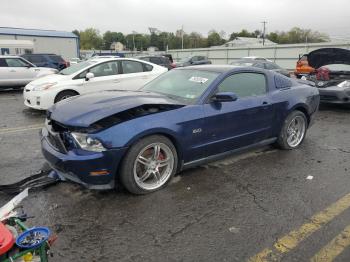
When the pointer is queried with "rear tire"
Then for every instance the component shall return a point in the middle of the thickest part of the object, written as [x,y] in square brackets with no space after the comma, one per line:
[293,131]
[64,95]
[149,165]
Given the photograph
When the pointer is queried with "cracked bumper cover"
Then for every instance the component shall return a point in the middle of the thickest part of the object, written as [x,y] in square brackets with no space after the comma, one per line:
[334,95]
[77,166]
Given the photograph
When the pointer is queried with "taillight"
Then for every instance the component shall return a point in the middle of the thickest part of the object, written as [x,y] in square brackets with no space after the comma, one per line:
[322,74]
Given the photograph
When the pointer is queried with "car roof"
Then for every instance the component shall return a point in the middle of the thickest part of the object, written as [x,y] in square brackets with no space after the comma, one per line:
[40,54]
[151,56]
[100,60]
[211,68]
[9,56]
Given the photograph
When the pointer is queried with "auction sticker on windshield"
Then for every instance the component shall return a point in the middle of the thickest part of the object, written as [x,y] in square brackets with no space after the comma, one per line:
[198,79]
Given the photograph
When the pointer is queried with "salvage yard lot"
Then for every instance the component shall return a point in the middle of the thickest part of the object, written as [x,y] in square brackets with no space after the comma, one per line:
[258,205]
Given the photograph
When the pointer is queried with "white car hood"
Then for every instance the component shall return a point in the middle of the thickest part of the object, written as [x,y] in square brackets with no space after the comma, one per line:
[49,79]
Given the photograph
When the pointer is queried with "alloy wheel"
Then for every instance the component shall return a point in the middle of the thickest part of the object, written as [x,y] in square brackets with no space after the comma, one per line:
[153,166]
[296,131]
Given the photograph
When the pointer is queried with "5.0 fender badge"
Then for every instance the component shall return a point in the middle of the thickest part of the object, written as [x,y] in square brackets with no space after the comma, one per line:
[198,130]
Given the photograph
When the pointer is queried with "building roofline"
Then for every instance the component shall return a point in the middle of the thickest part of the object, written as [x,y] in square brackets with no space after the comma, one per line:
[37,32]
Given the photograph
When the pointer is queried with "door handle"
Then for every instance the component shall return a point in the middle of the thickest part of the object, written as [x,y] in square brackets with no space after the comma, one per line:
[12,70]
[116,81]
[265,105]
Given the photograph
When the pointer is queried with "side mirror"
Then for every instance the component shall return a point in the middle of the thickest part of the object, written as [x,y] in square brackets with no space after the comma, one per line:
[224,97]
[89,75]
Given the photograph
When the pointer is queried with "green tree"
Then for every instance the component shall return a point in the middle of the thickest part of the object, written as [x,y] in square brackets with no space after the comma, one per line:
[214,38]
[245,33]
[90,39]
[297,35]
[76,32]
[110,37]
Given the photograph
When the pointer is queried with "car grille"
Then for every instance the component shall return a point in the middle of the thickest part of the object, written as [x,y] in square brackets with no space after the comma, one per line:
[57,136]
[57,127]
[56,141]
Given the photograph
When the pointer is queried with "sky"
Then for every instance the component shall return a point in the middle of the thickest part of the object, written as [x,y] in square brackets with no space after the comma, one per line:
[331,17]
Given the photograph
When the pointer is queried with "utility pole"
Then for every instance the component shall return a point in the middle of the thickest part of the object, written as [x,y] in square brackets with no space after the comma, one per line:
[264,29]
[182,37]
[133,38]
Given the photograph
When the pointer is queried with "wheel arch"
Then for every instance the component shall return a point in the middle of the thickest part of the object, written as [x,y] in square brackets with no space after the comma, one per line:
[304,109]
[65,90]
[161,132]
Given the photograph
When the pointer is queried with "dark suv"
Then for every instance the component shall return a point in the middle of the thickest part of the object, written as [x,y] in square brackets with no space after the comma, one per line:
[158,60]
[47,60]
[193,60]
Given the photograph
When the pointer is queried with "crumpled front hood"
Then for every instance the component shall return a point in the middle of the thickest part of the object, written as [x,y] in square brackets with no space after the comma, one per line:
[327,56]
[82,111]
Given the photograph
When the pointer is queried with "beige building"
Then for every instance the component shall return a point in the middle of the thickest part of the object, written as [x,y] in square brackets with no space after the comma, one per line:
[117,46]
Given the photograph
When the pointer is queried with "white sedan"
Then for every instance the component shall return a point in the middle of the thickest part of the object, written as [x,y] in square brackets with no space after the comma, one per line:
[15,71]
[90,76]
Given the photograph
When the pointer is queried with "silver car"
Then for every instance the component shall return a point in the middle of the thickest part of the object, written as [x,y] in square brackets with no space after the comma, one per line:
[15,71]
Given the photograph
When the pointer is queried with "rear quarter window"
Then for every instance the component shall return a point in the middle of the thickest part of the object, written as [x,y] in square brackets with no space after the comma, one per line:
[56,58]
[3,63]
[147,67]
[282,82]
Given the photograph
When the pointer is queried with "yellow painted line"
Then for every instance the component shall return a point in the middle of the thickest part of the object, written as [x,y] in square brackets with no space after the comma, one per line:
[334,248]
[293,238]
[19,129]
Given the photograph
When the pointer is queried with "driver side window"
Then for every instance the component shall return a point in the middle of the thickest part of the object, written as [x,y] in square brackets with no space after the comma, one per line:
[244,84]
[15,62]
[104,69]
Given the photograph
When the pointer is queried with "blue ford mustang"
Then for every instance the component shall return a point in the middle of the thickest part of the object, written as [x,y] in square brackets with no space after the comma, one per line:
[183,118]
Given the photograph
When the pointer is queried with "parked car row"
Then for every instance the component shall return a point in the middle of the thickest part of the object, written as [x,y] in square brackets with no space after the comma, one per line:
[122,120]
[15,71]
[329,69]
[93,75]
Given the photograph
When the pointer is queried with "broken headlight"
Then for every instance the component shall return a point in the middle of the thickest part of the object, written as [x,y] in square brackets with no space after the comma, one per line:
[344,84]
[88,143]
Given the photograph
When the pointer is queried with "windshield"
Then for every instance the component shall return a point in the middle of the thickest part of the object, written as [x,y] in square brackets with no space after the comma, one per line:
[183,85]
[76,67]
[184,60]
[56,58]
[338,67]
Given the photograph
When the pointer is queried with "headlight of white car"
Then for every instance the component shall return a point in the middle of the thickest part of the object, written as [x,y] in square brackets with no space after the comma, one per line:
[344,84]
[44,86]
[88,143]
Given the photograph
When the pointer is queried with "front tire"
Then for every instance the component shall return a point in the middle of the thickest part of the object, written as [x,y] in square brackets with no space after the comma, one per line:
[149,165]
[293,131]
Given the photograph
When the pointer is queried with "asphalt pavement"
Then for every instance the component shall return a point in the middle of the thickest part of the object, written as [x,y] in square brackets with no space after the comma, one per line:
[264,205]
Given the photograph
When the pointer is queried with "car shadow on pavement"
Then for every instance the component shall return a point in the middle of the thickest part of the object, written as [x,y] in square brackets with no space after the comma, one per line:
[334,107]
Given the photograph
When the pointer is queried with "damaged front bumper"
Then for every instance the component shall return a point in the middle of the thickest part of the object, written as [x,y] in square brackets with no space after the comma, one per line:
[94,170]
[334,95]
